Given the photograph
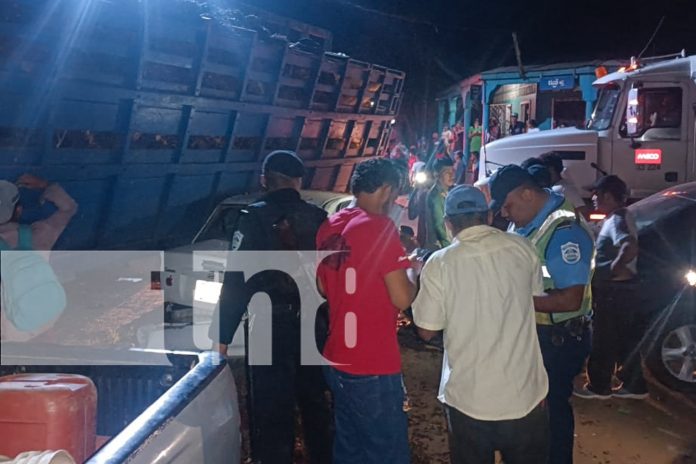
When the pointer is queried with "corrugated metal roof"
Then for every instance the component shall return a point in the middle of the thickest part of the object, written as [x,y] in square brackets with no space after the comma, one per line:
[560,67]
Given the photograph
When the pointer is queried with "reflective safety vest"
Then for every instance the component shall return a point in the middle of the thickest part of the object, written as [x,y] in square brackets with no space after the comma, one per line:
[540,239]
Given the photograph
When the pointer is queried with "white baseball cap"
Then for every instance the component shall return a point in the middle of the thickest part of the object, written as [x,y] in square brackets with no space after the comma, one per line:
[9,195]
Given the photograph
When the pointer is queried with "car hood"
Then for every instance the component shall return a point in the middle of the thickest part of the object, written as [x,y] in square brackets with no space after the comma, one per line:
[577,147]
[180,259]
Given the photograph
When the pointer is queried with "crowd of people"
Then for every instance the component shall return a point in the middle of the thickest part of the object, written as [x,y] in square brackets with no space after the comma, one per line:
[515,307]
[522,308]
[462,146]
[448,144]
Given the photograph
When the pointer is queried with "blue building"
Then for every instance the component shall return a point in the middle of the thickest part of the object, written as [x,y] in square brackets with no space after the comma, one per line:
[554,95]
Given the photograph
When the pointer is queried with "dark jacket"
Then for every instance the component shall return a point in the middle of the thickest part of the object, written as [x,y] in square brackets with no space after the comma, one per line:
[281,220]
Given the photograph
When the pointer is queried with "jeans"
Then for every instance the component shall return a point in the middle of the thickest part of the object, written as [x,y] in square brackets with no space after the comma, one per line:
[371,426]
[564,355]
[275,390]
[618,328]
[520,441]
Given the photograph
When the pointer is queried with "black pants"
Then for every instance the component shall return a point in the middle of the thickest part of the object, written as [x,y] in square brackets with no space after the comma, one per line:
[520,441]
[275,390]
[618,329]
[564,353]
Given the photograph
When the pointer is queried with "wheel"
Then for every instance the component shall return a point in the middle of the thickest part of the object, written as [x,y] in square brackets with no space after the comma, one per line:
[672,359]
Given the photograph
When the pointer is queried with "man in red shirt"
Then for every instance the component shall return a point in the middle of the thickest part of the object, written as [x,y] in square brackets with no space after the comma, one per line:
[366,285]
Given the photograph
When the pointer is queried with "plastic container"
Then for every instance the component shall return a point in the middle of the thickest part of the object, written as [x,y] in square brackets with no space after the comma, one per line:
[48,411]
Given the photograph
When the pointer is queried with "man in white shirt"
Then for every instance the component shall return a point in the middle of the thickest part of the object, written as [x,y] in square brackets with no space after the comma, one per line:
[562,183]
[480,290]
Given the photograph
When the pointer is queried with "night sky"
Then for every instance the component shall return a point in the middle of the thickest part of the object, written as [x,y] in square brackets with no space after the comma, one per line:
[437,42]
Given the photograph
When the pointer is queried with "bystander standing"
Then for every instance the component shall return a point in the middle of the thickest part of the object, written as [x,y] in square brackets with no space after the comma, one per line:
[436,233]
[618,324]
[516,126]
[474,137]
[497,274]
[366,285]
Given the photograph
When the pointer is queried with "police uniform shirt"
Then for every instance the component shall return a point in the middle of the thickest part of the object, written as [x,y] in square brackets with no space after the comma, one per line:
[569,252]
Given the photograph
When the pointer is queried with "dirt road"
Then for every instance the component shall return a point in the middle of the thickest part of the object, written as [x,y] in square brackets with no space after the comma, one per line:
[655,431]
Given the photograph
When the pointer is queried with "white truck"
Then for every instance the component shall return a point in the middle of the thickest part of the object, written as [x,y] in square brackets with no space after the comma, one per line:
[642,129]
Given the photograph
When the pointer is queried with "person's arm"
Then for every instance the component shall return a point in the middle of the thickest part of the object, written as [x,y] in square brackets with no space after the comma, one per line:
[569,257]
[234,296]
[564,300]
[45,232]
[320,287]
[625,237]
[401,289]
[393,263]
[428,312]
[627,253]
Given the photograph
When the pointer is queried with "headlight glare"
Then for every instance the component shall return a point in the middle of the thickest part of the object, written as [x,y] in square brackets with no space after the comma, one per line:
[691,278]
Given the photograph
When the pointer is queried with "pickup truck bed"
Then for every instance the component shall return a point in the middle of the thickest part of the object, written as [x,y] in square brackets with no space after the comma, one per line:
[180,413]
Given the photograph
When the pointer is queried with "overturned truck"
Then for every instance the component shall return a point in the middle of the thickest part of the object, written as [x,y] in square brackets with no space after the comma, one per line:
[150,113]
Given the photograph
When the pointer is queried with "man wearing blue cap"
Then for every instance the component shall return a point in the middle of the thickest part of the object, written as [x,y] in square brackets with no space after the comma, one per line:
[565,248]
[280,220]
[480,291]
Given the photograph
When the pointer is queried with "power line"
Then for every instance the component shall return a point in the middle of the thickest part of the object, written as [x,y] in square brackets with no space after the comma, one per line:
[657,29]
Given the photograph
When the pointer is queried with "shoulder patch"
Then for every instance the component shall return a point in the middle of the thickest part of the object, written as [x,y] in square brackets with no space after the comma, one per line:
[236,240]
[570,252]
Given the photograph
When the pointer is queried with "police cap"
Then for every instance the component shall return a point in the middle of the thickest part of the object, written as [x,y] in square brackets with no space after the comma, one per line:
[283,162]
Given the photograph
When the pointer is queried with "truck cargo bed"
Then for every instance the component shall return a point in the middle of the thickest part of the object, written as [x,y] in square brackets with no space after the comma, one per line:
[150,113]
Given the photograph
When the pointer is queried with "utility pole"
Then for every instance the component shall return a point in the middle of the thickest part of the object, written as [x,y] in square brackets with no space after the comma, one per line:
[518,54]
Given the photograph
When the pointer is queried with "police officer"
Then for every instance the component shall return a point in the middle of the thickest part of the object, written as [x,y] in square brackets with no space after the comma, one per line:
[280,220]
[566,250]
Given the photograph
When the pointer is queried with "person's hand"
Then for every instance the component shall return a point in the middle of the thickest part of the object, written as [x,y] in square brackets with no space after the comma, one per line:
[416,262]
[31,181]
[620,271]
[220,348]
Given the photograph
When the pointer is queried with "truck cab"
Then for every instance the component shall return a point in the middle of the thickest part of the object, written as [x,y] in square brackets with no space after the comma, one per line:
[642,129]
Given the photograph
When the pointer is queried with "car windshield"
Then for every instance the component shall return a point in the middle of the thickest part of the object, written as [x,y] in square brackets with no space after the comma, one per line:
[220,225]
[663,204]
[604,110]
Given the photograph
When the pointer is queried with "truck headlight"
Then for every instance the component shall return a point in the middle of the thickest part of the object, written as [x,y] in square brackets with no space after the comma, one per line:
[691,278]
[207,292]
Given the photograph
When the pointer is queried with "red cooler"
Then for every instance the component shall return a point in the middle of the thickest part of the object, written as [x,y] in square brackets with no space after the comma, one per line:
[48,412]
